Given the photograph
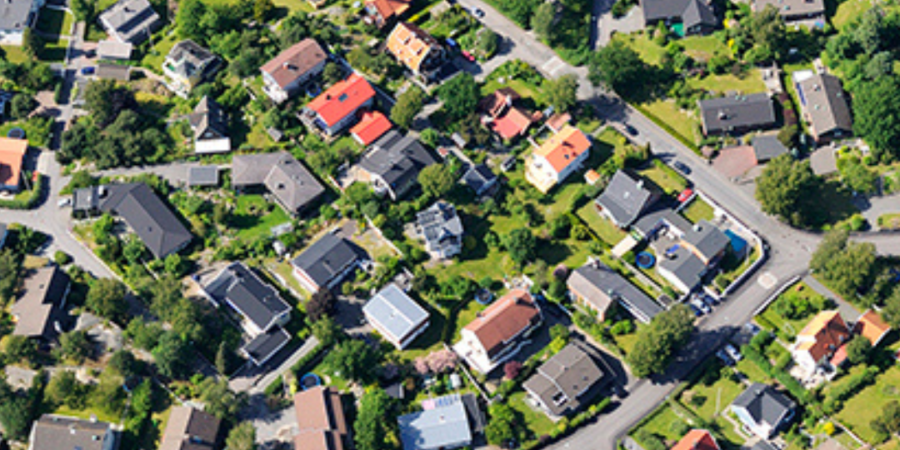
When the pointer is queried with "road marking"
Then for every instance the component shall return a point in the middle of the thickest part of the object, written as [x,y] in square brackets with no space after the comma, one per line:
[552,65]
[767,280]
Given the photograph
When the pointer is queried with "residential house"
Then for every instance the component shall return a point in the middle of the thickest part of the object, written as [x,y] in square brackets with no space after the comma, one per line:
[338,107]
[131,21]
[325,263]
[187,65]
[12,155]
[288,180]
[737,114]
[597,287]
[113,50]
[500,331]
[109,71]
[52,432]
[767,147]
[284,75]
[871,326]
[697,251]
[210,126]
[763,410]
[420,52]
[563,383]
[820,341]
[142,210]
[697,440]
[441,425]
[321,420]
[261,310]
[681,268]
[441,229]
[503,116]
[479,178]
[683,17]
[557,158]
[625,199]
[371,126]
[40,310]
[705,241]
[15,17]
[382,12]
[190,429]
[392,164]
[825,106]
[396,316]
[203,176]
[795,11]
[660,219]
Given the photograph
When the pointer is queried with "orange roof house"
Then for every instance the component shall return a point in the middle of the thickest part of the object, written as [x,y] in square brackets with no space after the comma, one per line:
[320,419]
[872,327]
[380,12]
[372,124]
[415,48]
[499,332]
[697,440]
[503,116]
[819,341]
[335,109]
[557,158]
[12,154]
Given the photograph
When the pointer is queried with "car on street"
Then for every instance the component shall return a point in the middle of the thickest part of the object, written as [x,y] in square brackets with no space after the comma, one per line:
[89,70]
[696,311]
[477,12]
[699,304]
[63,202]
[733,352]
[682,167]
[469,57]
[631,130]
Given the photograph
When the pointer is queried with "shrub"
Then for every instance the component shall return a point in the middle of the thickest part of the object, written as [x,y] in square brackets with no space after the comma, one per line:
[622,327]
[61,258]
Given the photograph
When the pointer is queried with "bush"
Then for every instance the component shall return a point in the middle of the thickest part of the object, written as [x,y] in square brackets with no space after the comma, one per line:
[622,327]
[61,258]
[27,199]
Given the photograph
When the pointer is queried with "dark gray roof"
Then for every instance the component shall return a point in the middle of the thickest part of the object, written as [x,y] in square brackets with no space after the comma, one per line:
[600,286]
[52,432]
[479,178]
[327,258]
[39,307]
[768,147]
[203,176]
[266,345]
[240,288]
[793,8]
[764,404]
[15,14]
[706,239]
[116,72]
[824,100]
[666,215]
[150,218]
[689,12]
[438,224]
[444,426]
[188,56]
[397,159]
[684,265]
[763,445]
[564,378]
[285,177]
[131,19]
[626,198]
[208,120]
[724,114]
[396,313]
[190,429]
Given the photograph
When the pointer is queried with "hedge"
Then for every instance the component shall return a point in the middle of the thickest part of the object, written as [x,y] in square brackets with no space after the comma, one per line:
[569,425]
[26,200]
[790,383]
[834,401]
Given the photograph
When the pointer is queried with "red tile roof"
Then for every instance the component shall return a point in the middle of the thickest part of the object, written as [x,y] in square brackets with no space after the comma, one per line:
[823,335]
[504,319]
[372,124]
[511,124]
[564,147]
[295,62]
[697,440]
[12,152]
[390,8]
[342,99]
[872,327]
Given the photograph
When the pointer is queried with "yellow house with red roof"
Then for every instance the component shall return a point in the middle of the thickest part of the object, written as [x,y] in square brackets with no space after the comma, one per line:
[415,48]
[557,158]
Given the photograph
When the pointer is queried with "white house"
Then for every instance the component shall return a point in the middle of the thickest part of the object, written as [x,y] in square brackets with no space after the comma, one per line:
[396,316]
[15,17]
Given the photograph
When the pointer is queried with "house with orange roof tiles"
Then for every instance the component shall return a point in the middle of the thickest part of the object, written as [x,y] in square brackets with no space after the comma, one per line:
[819,342]
[371,126]
[286,73]
[557,158]
[871,326]
[12,155]
[336,109]
[503,116]
[500,331]
[697,440]
[381,12]
[416,49]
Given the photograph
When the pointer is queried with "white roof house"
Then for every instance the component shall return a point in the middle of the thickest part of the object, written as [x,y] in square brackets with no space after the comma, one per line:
[442,425]
[396,316]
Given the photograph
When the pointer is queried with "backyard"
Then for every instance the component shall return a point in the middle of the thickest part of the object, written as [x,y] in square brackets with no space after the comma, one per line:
[54,22]
[860,410]
[254,216]
[698,210]
[784,327]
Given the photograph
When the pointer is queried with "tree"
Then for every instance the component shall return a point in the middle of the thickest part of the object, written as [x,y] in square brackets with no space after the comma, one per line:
[847,267]
[562,93]
[105,101]
[241,437]
[376,421]
[124,362]
[222,358]
[320,305]
[441,361]
[488,41]
[219,399]
[500,430]
[436,180]
[326,331]
[145,335]
[187,20]
[542,21]
[888,423]
[430,137]
[409,103]
[332,72]
[9,275]
[22,105]
[353,360]
[75,345]
[106,298]
[657,343]
[876,116]
[32,44]
[172,355]
[520,244]
[64,389]
[620,68]
[174,265]
[15,416]
[460,96]
[858,349]
[262,9]
[859,178]
[787,189]
[511,369]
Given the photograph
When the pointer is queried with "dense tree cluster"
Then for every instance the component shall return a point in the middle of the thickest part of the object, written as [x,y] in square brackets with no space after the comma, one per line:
[376,421]
[846,266]
[657,343]
[787,189]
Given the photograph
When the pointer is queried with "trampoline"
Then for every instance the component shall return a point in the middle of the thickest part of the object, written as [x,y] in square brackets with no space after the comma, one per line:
[645,260]
[309,381]
[16,133]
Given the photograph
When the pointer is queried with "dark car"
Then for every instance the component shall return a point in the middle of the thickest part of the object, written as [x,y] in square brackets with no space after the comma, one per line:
[89,70]
[631,130]
[682,167]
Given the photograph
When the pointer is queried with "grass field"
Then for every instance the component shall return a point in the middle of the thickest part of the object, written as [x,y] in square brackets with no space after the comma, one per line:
[54,21]
[155,57]
[607,231]
[783,326]
[709,401]
[660,424]
[749,83]
[535,421]
[253,216]
[523,88]
[683,123]
[14,53]
[860,410]
[86,413]
[889,221]
[670,182]
[698,210]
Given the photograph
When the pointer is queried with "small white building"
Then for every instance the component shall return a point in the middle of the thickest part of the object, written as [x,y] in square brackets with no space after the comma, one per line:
[15,17]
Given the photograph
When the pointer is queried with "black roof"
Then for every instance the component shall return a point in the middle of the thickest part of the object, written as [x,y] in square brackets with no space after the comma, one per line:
[764,403]
[767,147]
[479,177]
[397,159]
[626,198]
[723,114]
[240,288]
[266,345]
[690,12]
[327,257]
[150,218]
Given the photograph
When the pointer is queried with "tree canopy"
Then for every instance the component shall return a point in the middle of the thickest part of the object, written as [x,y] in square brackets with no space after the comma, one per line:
[172,356]
[788,189]
[436,180]
[353,359]
[657,343]
[847,267]
[621,69]
[460,96]
[562,93]
[520,244]
[409,103]
[876,116]
[106,298]
[241,437]
[376,421]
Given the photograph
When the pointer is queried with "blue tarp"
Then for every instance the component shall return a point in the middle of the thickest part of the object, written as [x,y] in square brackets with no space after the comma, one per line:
[738,244]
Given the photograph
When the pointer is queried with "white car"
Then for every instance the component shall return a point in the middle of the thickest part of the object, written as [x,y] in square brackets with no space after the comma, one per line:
[477,12]
[733,352]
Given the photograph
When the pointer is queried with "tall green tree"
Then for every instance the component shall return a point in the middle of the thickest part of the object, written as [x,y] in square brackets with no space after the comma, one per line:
[376,421]
[409,103]
[460,96]
[172,356]
[353,359]
[876,116]
[241,437]
[106,298]
[520,243]
[620,68]
[188,20]
[543,20]
[845,266]
[219,399]
[787,188]
[437,180]
[562,93]
[9,275]
[75,345]
[657,343]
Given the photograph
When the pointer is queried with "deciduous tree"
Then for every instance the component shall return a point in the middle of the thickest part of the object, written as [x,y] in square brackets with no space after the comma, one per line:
[436,180]
[376,421]
[460,96]
[241,437]
[787,188]
[106,298]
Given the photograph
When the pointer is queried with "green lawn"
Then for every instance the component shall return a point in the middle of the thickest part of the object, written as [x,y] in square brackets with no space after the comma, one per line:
[889,221]
[783,326]
[253,216]
[626,341]
[86,413]
[522,87]
[749,83]
[606,230]
[329,378]
[54,21]
[670,182]
[286,271]
[649,51]
[660,423]
[682,122]
[14,53]
[850,10]
[709,401]
[154,58]
[703,47]
[859,411]
[752,371]
[698,210]
[536,421]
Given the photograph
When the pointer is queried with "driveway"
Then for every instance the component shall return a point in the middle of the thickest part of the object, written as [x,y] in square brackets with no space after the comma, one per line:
[606,25]
[876,206]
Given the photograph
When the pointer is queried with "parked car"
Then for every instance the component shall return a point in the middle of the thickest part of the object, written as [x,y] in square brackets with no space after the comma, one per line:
[709,299]
[89,70]
[699,304]
[469,57]
[724,357]
[477,12]
[733,352]
[682,167]
[63,202]
[631,130]
[696,311]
